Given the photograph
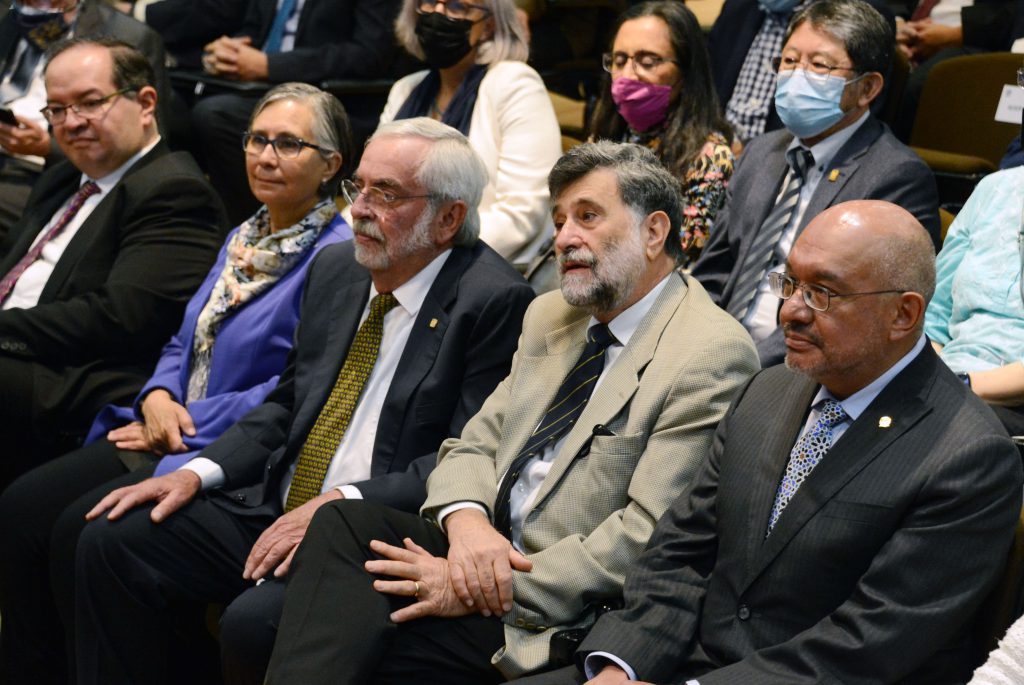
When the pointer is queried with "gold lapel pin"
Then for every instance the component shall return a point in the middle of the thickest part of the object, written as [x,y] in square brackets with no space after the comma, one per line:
[433,323]
[885,422]
[833,175]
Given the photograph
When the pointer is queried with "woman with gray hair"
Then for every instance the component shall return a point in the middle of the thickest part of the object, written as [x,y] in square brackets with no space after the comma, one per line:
[478,83]
[223,361]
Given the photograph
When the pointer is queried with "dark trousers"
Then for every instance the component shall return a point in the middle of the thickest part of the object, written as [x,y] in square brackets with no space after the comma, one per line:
[219,122]
[136,582]
[336,627]
[563,676]
[41,516]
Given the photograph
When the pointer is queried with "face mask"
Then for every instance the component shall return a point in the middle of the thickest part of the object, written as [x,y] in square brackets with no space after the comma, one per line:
[40,27]
[778,6]
[809,106]
[642,105]
[444,41]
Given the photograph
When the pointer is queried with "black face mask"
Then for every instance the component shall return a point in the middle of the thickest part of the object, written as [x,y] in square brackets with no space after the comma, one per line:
[444,41]
[42,29]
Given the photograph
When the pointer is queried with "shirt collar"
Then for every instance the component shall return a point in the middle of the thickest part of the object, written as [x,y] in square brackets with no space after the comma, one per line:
[110,180]
[826,149]
[410,295]
[855,404]
[625,324]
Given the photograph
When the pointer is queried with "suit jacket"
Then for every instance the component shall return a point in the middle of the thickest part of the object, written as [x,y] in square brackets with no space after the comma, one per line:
[188,25]
[460,347]
[872,165]
[871,573]
[336,39]
[118,289]
[730,39]
[252,346]
[598,504]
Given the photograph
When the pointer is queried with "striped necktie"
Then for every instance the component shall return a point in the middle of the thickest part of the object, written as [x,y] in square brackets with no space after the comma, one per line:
[759,257]
[276,34]
[325,436]
[565,410]
[806,454]
[87,190]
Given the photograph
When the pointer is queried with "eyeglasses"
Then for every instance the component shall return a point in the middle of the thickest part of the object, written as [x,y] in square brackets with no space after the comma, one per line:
[285,147]
[821,70]
[86,109]
[47,5]
[376,198]
[453,9]
[643,62]
[817,297]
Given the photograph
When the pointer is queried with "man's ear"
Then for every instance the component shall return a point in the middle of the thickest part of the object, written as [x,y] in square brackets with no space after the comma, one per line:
[656,227]
[147,98]
[449,218]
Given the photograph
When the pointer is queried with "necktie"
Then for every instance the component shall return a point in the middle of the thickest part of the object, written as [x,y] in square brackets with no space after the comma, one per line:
[565,409]
[87,190]
[276,34]
[21,75]
[325,436]
[759,256]
[806,454]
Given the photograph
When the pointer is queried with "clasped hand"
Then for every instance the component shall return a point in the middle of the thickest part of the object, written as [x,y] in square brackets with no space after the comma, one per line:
[166,423]
[235,58]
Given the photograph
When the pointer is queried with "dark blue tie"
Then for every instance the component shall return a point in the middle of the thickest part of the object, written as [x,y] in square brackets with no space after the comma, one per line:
[276,35]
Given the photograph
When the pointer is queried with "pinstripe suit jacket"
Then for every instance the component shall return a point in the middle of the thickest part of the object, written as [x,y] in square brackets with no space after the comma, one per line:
[873,571]
[597,507]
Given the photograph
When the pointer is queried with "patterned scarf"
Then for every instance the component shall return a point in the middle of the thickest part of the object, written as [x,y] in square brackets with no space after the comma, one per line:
[256,259]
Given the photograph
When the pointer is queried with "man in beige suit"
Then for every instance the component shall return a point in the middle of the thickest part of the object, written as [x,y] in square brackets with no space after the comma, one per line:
[534,514]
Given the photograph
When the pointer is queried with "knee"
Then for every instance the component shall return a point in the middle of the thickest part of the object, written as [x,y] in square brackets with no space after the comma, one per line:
[106,544]
[248,629]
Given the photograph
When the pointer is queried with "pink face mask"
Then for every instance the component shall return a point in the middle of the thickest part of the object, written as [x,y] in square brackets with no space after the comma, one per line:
[642,105]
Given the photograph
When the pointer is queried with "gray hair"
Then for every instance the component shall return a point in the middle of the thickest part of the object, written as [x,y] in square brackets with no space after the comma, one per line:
[451,169]
[508,44]
[645,185]
[331,127]
[862,30]
[906,261]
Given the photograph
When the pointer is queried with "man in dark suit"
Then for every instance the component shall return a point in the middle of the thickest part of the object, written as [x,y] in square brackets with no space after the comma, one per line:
[442,349]
[745,37]
[777,188]
[320,40]
[98,270]
[26,30]
[855,509]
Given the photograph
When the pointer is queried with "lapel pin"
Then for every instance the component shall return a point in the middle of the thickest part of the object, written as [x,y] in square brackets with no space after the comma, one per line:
[885,422]
[433,323]
[833,175]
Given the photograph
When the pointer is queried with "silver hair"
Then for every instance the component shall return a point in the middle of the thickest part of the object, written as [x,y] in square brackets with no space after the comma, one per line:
[507,44]
[451,169]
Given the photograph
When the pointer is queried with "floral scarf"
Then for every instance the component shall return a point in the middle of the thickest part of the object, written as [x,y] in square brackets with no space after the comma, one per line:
[256,259]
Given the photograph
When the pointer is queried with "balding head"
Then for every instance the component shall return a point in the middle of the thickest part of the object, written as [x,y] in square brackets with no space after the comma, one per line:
[878,263]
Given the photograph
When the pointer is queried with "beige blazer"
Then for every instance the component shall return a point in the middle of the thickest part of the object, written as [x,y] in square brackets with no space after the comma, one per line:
[662,399]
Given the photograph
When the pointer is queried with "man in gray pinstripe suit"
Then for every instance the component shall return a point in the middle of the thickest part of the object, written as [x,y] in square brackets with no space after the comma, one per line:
[536,533]
[855,509]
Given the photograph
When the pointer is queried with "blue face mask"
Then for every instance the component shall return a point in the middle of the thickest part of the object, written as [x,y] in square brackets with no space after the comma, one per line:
[809,105]
[778,6]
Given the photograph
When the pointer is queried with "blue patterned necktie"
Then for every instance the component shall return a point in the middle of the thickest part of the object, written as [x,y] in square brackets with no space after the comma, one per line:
[806,454]
[276,35]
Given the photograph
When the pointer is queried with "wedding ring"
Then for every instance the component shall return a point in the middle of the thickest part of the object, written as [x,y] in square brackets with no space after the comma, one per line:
[416,584]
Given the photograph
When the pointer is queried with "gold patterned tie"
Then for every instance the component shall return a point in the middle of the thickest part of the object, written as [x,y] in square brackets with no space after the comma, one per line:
[325,436]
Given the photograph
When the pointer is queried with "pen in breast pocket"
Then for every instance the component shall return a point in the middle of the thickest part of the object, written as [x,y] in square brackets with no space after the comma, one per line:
[601,429]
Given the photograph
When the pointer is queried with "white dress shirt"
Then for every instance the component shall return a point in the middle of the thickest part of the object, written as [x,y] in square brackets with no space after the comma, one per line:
[351,462]
[30,284]
[532,475]
[854,406]
[28,104]
[761,320]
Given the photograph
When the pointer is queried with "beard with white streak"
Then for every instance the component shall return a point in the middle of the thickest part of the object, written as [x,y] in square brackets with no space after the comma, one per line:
[383,253]
[610,278]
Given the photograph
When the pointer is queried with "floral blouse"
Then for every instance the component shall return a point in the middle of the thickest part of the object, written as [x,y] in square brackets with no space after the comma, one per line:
[703,187]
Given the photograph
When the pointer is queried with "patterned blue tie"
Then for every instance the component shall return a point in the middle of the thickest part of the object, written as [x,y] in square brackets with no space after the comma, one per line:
[276,35]
[806,454]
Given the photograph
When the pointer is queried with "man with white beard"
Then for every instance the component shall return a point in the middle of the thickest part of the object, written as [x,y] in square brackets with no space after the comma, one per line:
[404,332]
[535,511]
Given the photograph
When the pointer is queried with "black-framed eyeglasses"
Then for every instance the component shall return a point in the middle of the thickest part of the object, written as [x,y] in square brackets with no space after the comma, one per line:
[813,68]
[376,198]
[453,9]
[285,147]
[817,297]
[92,108]
[643,62]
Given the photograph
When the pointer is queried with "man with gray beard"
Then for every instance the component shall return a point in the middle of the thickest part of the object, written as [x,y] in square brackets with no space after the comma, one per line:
[535,511]
[404,332]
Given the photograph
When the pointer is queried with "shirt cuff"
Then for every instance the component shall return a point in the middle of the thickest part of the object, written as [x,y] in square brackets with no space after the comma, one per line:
[452,508]
[211,475]
[595,661]
[349,492]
